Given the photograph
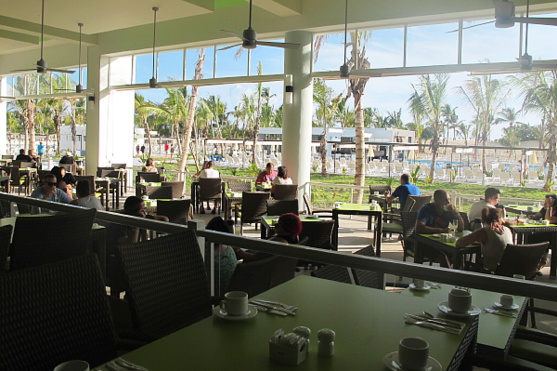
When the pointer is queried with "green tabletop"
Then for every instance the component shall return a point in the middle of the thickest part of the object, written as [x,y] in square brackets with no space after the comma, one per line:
[368,324]
[151,184]
[495,332]
[348,206]
[272,219]
[532,225]
[234,194]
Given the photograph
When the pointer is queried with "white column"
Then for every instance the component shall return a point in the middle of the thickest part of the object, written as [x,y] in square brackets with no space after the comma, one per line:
[296,127]
[110,116]
[3,116]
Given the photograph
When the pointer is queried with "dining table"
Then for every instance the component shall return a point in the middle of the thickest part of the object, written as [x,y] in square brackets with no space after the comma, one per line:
[368,326]
[229,199]
[375,218]
[449,248]
[495,332]
[523,230]
[106,184]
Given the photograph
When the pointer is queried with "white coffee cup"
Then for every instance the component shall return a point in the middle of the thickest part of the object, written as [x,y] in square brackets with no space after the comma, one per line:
[506,301]
[413,353]
[235,303]
[460,300]
[72,366]
[419,284]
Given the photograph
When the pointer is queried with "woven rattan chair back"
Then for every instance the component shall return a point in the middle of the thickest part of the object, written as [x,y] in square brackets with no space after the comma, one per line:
[333,273]
[157,193]
[419,202]
[5,239]
[119,166]
[177,188]
[381,189]
[147,177]
[54,313]
[103,172]
[367,278]
[254,206]
[177,211]
[70,168]
[319,233]
[237,186]
[87,178]
[279,207]
[210,189]
[285,192]
[39,240]
[166,283]
[521,259]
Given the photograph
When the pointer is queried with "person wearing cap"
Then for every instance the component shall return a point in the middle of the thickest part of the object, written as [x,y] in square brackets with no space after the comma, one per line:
[404,190]
[491,199]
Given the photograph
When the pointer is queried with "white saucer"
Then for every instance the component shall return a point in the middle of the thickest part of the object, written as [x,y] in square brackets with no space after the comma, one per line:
[436,235]
[424,288]
[391,362]
[500,306]
[252,312]
[444,307]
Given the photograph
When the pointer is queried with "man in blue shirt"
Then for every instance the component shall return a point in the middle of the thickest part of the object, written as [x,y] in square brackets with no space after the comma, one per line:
[403,191]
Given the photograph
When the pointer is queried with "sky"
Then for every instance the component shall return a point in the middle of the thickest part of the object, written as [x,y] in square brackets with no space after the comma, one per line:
[427,45]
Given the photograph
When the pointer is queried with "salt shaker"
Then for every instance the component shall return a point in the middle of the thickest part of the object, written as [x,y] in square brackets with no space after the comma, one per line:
[325,342]
[304,332]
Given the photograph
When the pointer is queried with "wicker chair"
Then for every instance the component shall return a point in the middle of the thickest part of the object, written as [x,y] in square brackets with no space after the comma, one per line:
[334,273]
[367,278]
[166,283]
[40,240]
[253,206]
[147,177]
[103,172]
[177,211]
[279,207]
[177,188]
[261,275]
[285,191]
[54,313]
[237,186]
[20,180]
[210,189]
[119,165]
[5,238]
[156,193]
[379,189]
[319,233]
[312,211]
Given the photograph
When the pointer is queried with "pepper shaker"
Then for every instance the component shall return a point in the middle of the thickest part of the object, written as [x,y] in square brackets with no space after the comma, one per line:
[325,342]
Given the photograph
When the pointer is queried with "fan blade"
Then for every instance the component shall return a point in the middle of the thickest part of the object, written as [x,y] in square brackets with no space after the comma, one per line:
[278,45]
[542,21]
[233,34]
[472,26]
[60,71]
[230,47]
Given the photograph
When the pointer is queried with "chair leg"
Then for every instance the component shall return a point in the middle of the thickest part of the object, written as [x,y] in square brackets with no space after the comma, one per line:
[532,312]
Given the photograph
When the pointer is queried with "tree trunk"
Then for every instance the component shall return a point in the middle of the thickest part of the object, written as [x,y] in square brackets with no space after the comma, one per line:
[360,171]
[30,113]
[148,132]
[186,135]
[323,153]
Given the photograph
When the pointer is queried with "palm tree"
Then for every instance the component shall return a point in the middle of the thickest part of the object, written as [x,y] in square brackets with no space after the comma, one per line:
[540,95]
[428,103]
[259,94]
[143,110]
[509,115]
[485,95]
[326,106]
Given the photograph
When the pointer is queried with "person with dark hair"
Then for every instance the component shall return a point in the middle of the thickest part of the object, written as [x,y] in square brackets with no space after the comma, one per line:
[23,157]
[225,259]
[548,211]
[491,199]
[67,158]
[84,196]
[493,237]
[149,166]
[288,229]
[61,183]
[267,175]
[281,178]
[404,190]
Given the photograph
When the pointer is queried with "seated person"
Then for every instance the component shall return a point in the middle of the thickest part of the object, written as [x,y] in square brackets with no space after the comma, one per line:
[491,200]
[493,237]
[435,218]
[67,159]
[549,210]
[281,178]
[23,157]
[85,198]
[266,176]
[61,184]
[208,171]
[225,259]
[150,167]
[404,190]
[33,156]
[49,192]
[67,177]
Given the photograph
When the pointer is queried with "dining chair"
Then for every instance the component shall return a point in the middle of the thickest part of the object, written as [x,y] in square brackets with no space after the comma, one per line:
[319,234]
[408,219]
[39,240]
[279,207]
[313,211]
[70,168]
[419,201]
[334,273]
[166,283]
[464,216]
[5,239]
[20,179]
[108,171]
[156,193]
[393,223]
[367,278]
[119,165]
[147,177]
[255,277]
[54,313]
[177,211]
[379,189]
[210,189]
[238,186]
[177,188]
[252,208]
[285,191]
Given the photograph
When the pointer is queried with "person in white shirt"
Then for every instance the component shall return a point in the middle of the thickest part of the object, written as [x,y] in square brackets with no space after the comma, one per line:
[209,172]
[491,200]
[85,198]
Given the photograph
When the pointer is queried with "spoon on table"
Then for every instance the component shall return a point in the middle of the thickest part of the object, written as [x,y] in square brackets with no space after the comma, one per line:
[431,316]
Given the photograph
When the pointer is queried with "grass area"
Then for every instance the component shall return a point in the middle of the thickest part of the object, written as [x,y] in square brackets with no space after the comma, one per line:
[328,195]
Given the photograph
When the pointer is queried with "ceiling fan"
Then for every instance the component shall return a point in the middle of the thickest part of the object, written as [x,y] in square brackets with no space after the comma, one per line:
[41,66]
[153,80]
[249,38]
[79,87]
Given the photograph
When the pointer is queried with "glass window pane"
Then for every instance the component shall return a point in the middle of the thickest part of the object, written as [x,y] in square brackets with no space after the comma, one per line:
[386,47]
[540,36]
[331,53]
[270,57]
[143,69]
[478,43]
[432,45]
[120,71]
[232,62]
[171,66]
[192,56]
